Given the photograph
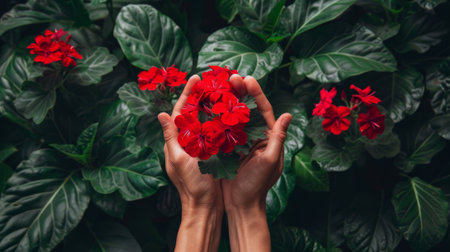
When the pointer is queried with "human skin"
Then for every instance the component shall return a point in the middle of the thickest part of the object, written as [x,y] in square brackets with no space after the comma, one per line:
[205,199]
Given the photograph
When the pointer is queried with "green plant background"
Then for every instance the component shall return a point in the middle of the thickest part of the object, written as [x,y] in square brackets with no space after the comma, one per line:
[81,167]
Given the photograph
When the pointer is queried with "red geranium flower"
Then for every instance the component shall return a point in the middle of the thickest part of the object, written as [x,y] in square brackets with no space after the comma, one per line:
[189,126]
[216,86]
[161,78]
[335,119]
[207,142]
[216,70]
[57,34]
[47,51]
[372,123]
[233,135]
[326,98]
[233,111]
[68,53]
[364,96]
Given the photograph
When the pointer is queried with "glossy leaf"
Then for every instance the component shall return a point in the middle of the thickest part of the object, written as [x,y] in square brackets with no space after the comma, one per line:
[333,158]
[112,204]
[45,200]
[303,15]
[441,124]
[139,101]
[220,166]
[34,102]
[136,28]
[386,145]
[370,226]
[260,16]
[419,33]
[227,9]
[241,50]
[421,148]
[149,132]
[400,92]
[134,175]
[35,12]
[421,211]
[112,237]
[441,101]
[332,53]
[429,4]
[293,239]
[92,67]
[309,175]
[315,131]
[278,195]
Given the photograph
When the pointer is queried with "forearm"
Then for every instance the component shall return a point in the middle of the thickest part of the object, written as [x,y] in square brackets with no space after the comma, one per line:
[248,229]
[199,230]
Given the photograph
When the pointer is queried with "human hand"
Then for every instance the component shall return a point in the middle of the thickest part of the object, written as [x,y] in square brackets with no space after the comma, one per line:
[200,194]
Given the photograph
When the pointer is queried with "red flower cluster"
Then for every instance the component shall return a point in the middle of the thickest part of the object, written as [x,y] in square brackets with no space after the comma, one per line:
[51,48]
[215,97]
[161,78]
[336,118]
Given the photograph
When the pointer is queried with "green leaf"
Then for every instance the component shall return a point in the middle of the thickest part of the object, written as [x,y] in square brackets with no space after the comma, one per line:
[241,50]
[429,4]
[384,29]
[149,133]
[421,211]
[441,101]
[293,239]
[370,225]
[227,9]
[436,79]
[95,63]
[386,145]
[139,101]
[315,131]
[332,158]
[303,15]
[35,12]
[5,173]
[149,38]
[44,202]
[260,16]
[400,92]
[309,176]
[112,237]
[134,175]
[419,33]
[442,125]
[332,53]
[278,195]
[220,166]
[421,147]
[5,151]
[112,204]
[82,151]
[14,70]
[35,102]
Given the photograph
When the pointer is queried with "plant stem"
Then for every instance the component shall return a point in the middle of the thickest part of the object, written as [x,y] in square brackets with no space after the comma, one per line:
[285,65]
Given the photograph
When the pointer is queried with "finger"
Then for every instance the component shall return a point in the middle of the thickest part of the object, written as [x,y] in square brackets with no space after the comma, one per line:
[238,84]
[183,97]
[278,135]
[261,101]
[170,131]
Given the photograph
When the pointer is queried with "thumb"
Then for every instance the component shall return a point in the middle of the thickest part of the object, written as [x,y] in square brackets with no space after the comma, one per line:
[278,134]
[170,130]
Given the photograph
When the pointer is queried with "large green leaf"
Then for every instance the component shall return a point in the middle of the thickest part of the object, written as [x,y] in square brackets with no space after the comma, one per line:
[95,63]
[140,102]
[44,202]
[332,53]
[303,15]
[149,133]
[134,175]
[220,166]
[14,70]
[34,102]
[420,148]
[99,9]
[149,38]
[112,237]
[227,9]
[429,4]
[419,32]
[112,204]
[385,145]
[441,124]
[260,16]
[370,226]
[309,175]
[293,239]
[421,211]
[333,158]
[400,92]
[35,12]
[278,195]
[241,50]
[5,151]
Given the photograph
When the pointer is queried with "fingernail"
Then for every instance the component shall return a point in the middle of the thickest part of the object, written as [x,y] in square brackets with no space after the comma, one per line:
[286,121]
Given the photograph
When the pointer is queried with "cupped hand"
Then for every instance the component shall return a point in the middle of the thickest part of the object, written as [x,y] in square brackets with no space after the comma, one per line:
[196,190]
[262,167]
